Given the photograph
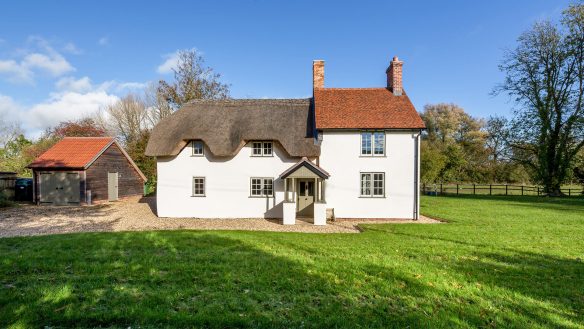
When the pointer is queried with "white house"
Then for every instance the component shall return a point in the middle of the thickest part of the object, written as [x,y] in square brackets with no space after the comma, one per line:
[345,152]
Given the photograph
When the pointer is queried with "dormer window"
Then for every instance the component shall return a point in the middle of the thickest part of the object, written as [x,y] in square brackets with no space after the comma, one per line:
[262,149]
[373,143]
[198,148]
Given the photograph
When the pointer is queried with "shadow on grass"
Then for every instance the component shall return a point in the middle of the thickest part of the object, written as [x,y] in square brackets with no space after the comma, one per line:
[186,279]
[543,201]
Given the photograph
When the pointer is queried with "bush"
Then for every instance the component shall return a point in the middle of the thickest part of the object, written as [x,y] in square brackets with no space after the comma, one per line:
[5,202]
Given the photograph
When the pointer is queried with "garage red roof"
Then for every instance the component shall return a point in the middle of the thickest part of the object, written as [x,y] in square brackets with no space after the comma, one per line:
[359,108]
[72,153]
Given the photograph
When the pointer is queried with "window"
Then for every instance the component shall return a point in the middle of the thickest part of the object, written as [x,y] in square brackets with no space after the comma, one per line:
[262,187]
[373,143]
[372,184]
[378,143]
[262,149]
[366,143]
[198,148]
[198,186]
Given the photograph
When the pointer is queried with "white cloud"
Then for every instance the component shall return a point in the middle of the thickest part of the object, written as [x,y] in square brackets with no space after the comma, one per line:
[71,48]
[131,86]
[170,63]
[85,85]
[54,64]
[103,41]
[41,57]
[74,99]
[9,109]
[65,106]
[120,87]
[75,85]
[15,71]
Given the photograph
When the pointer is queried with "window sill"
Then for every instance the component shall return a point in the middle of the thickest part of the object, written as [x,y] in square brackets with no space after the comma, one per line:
[197,155]
[198,196]
[261,156]
[373,156]
[372,197]
[260,196]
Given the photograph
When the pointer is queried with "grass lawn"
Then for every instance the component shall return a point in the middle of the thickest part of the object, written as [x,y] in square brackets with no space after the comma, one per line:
[499,262]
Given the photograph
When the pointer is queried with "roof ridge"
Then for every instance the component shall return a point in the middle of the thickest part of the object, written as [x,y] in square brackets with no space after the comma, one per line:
[89,137]
[236,101]
[357,88]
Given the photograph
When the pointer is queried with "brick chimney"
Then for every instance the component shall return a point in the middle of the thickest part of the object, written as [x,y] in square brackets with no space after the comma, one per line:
[317,74]
[394,76]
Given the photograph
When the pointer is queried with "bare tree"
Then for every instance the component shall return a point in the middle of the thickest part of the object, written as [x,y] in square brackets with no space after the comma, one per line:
[545,75]
[156,104]
[193,80]
[9,131]
[127,118]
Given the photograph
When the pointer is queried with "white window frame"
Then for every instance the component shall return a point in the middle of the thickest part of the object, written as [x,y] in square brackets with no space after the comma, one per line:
[194,147]
[262,184]
[372,188]
[265,148]
[194,183]
[373,143]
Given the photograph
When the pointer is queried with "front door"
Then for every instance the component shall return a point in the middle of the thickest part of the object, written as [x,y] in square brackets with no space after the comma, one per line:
[305,197]
[112,186]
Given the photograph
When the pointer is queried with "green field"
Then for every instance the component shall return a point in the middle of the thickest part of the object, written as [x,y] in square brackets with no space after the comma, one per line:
[499,262]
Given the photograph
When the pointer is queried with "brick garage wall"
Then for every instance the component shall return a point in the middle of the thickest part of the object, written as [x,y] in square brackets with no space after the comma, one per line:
[113,160]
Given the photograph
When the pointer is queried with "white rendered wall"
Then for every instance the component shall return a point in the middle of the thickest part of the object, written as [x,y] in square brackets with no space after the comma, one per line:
[227,183]
[340,156]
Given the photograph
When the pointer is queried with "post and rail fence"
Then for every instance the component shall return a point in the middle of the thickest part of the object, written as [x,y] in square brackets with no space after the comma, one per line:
[492,189]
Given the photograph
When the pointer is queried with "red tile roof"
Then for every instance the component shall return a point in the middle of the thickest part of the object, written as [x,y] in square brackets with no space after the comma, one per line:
[72,152]
[369,108]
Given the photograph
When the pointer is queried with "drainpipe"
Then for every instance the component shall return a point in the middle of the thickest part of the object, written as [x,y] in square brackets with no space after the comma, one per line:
[417,176]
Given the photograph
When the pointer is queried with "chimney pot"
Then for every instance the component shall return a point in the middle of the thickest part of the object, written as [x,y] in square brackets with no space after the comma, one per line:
[394,76]
[317,74]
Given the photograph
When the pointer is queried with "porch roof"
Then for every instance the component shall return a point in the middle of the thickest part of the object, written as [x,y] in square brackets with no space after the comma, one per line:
[304,162]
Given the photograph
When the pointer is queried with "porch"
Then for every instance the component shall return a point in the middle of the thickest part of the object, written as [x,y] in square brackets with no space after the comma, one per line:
[304,193]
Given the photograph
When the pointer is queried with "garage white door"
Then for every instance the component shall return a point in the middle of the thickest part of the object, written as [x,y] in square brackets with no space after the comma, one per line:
[59,188]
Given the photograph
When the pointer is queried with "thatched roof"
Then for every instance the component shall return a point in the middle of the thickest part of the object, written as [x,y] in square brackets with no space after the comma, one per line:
[226,125]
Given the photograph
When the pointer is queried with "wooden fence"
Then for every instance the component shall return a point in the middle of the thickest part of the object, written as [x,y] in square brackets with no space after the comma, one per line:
[492,189]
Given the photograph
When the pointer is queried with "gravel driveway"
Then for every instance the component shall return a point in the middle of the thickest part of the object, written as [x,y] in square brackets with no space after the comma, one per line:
[138,214]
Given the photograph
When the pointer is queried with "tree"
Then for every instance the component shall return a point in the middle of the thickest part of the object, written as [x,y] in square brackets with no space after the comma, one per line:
[9,131]
[432,163]
[136,149]
[545,76]
[86,127]
[193,80]
[127,118]
[579,169]
[156,104]
[449,122]
[497,135]
[11,156]
[454,145]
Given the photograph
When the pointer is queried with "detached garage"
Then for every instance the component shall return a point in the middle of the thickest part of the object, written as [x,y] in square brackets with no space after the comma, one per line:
[84,170]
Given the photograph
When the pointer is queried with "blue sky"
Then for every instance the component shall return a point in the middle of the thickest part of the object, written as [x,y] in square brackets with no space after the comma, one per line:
[61,60]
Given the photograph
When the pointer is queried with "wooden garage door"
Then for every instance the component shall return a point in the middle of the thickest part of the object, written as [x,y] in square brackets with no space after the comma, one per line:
[60,188]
